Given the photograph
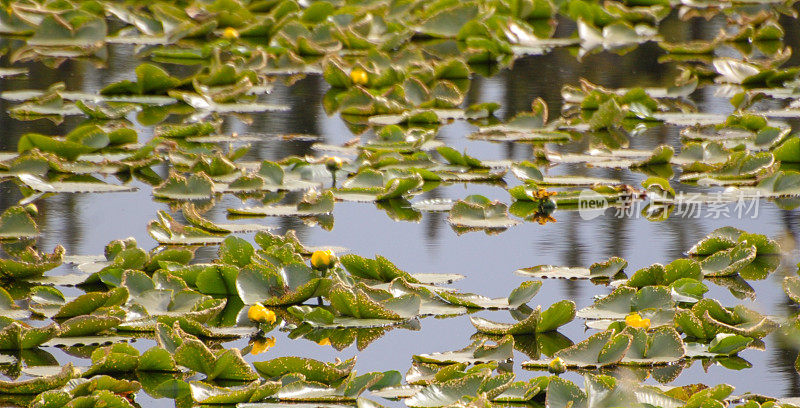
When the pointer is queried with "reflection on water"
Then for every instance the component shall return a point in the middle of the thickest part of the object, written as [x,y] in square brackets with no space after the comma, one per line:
[85,223]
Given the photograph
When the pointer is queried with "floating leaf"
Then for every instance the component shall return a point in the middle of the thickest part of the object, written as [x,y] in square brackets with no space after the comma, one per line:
[16,335]
[312,370]
[791,285]
[313,203]
[29,263]
[72,184]
[727,344]
[226,364]
[518,297]
[84,326]
[356,302]
[662,345]
[205,393]
[193,216]
[625,300]
[708,317]
[599,350]
[166,230]
[556,315]
[379,269]
[38,385]
[730,261]
[477,352]
[292,284]
[15,223]
[90,302]
[150,80]
[477,211]
[599,270]
[177,187]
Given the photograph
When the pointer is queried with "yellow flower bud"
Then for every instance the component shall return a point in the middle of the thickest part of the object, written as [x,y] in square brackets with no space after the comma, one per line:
[32,209]
[359,77]
[261,345]
[333,163]
[259,313]
[324,342]
[636,321]
[557,366]
[230,33]
[323,259]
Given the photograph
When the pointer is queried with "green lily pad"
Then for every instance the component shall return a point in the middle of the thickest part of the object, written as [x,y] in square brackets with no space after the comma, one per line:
[88,325]
[371,185]
[625,300]
[292,284]
[167,231]
[29,263]
[598,270]
[791,285]
[708,317]
[477,211]
[150,80]
[205,393]
[41,384]
[538,321]
[599,350]
[728,344]
[72,184]
[226,364]
[16,335]
[518,297]
[730,261]
[312,370]
[357,302]
[15,223]
[90,302]
[313,203]
[477,352]
[379,269]
[177,187]
[662,345]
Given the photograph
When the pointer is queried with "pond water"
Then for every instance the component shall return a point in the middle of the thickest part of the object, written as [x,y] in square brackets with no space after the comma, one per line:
[85,223]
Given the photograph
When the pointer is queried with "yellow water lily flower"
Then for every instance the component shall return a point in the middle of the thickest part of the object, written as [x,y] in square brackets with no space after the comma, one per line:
[324,342]
[259,313]
[359,77]
[542,193]
[333,163]
[230,33]
[634,320]
[542,218]
[323,259]
[557,366]
[261,345]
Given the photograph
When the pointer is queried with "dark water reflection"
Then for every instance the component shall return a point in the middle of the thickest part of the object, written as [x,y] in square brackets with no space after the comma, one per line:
[85,223]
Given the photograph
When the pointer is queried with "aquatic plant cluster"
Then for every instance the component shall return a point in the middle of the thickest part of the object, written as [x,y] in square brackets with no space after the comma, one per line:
[398,71]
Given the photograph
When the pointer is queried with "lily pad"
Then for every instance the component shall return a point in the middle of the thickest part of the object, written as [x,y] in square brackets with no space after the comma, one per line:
[599,270]
[538,321]
[167,231]
[518,297]
[292,284]
[599,350]
[477,211]
[15,223]
[477,352]
[313,203]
